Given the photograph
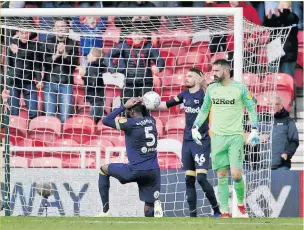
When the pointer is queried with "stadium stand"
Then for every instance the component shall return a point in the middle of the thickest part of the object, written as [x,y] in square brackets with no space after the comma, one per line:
[179,54]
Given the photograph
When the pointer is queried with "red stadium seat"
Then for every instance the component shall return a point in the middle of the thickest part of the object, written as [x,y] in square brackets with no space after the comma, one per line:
[30,143]
[79,128]
[160,127]
[78,79]
[111,92]
[265,100]
[284,82]
[219,55]
[175,125]
[23,113]
[176,51]
[165,115]
[253,82]
[209,76]
[45,128]
[201,47]
[262,56]
[117,141]
[79,95]
[105,130]
[193,59]
[300,38]
[169,58]
[175,38]
[300,61]
[84,109]
[76,163]
[117,160]
[299,80]
[63,142]
[100,142]
[19,162]
[17,126]
[46,162]
[173,162]
[176,136]
[172,85]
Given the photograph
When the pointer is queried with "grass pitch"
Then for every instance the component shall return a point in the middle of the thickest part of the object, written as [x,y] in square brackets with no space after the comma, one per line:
[82,223]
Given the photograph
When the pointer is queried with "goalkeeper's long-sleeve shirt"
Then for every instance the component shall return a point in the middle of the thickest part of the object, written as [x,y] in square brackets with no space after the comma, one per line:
[227,104]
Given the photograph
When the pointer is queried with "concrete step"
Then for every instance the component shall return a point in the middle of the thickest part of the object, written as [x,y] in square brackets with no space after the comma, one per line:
[300,115]
[300,125]
[301,136]
[300,150]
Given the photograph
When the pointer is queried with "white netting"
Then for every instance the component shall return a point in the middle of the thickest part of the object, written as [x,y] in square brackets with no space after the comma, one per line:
[66,146]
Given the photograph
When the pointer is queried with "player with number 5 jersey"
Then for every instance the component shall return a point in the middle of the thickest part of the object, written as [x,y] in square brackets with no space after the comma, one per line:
[195,158]
[141,146]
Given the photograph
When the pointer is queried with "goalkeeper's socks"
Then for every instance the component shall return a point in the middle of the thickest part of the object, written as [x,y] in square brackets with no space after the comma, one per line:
[104,187]
[223,193]
[239,190]
[208,189]
[191,195]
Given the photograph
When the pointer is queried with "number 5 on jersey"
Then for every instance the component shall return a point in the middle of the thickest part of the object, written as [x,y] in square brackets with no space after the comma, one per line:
[150,136]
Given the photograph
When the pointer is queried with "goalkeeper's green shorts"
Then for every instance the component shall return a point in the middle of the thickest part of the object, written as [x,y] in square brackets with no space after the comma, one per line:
[227,151]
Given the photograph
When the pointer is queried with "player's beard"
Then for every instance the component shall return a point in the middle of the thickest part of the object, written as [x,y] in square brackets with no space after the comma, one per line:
[128,114]
[219,79]
[189,86]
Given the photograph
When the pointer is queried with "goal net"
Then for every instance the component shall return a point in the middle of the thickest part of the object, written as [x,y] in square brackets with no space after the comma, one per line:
[60,76]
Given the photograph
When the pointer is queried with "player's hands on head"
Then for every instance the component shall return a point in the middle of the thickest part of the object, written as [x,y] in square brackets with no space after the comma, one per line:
[131,102]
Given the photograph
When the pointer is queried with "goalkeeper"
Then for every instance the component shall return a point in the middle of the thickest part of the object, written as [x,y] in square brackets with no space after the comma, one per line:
[227,99]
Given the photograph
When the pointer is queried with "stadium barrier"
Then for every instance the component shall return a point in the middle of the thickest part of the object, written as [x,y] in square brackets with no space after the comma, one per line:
[75,193]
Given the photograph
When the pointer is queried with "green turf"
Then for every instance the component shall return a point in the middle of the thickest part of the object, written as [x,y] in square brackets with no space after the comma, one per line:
[82,223]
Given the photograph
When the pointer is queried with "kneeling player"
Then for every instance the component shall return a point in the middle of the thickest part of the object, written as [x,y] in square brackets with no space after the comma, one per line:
[195,158]
[141,145]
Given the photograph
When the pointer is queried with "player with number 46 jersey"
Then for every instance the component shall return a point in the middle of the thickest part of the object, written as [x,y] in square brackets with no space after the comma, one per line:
[141,145]
[195,158]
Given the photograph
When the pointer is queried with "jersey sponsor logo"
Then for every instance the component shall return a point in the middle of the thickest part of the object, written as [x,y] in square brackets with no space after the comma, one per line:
[221,101]
[145,150]
[122,120]
[191,110]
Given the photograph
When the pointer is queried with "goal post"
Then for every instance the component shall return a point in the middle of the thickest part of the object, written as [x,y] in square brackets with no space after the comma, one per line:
[64,148]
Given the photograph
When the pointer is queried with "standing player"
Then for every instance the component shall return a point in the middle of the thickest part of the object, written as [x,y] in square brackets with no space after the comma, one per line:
[227,98]
[195,158]
[141,145]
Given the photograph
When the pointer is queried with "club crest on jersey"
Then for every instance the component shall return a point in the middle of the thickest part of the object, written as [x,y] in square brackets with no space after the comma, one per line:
[122,120]
[196,101]
[249,96]
[221,101]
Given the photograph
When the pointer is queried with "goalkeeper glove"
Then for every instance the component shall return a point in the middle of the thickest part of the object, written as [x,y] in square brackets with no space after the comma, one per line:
[196,135]
[253,138]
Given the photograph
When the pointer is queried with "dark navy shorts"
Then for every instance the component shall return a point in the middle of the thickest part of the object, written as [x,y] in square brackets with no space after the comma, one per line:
[196,156]
[148,181]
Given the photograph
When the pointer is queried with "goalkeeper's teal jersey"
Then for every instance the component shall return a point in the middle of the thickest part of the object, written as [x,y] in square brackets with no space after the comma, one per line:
[227,104]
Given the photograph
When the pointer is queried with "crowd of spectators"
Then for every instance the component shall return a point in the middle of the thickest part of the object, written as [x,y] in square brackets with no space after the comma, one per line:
[60,52]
